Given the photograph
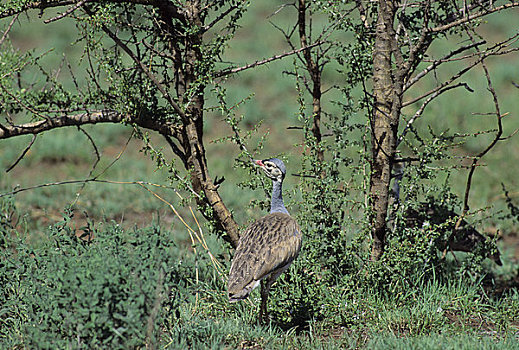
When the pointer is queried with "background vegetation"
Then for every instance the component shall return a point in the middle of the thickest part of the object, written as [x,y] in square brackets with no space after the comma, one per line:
[125,264]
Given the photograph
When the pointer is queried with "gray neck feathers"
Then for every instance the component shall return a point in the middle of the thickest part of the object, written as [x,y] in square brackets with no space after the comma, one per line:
[276,204]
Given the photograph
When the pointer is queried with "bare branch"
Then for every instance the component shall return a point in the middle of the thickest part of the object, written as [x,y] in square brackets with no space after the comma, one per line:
[70,182]
[465,19]
[287,36]
[230,71]
[422,44]
[426,34]
[509,136]
[66,13]
[219,18]
[480,59]
[419,112]
[176,150]
[8,29]
[90,117]
[23,154]
[495,140]
[116,159]
[98,159]
[158,53]
[94,146]
[436,63]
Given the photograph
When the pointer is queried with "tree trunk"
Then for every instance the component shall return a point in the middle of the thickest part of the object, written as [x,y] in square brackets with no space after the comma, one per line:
[202,183]
[191,135]
[384,124]
[315,74]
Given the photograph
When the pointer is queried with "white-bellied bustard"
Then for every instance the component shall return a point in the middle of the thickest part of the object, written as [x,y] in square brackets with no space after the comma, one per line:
[267,247]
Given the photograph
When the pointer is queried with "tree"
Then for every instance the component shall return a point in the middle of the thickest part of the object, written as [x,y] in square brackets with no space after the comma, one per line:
[388,58]
[173,48]
[403,34]
[150,62]
[398,37]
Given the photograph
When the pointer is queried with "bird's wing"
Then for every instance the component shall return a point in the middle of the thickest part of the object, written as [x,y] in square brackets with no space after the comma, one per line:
[282,248]
[267,245]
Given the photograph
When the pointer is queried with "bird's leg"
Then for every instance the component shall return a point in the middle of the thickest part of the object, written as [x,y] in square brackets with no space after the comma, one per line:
[263,316]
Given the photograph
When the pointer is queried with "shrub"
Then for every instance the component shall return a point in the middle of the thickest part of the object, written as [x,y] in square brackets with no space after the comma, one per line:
[109,292]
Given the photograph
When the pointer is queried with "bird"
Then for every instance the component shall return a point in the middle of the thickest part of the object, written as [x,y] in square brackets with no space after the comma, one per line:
[267,247]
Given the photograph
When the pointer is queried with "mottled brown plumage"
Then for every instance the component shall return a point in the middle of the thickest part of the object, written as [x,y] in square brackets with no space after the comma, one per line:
[267,247]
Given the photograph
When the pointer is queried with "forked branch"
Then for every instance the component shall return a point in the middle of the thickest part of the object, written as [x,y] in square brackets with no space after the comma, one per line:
[497,135]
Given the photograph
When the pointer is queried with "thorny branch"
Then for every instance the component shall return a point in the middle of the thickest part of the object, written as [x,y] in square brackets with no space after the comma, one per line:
[465,18]
[8,29]
[420,110]
[230,71]
[438,62]
[497,136]
[89,117]
[142,66]
[220,17]
[66,13]
[481,58]
[23,154]
[494,50]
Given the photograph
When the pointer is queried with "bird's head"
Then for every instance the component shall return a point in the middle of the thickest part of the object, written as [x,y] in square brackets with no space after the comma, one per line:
[274,168]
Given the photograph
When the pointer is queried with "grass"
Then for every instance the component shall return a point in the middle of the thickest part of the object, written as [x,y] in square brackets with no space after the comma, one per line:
[447,315]
[452,316]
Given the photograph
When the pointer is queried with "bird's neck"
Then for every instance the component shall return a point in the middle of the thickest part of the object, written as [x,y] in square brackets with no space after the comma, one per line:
[276,204]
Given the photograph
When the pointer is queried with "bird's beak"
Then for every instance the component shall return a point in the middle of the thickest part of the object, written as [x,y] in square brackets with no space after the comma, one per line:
[258,162]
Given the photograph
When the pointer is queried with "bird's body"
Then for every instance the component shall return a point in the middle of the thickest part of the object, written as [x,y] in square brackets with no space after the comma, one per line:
[267,247]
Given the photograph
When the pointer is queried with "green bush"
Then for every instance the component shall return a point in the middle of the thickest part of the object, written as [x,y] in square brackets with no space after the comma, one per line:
[110,292]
